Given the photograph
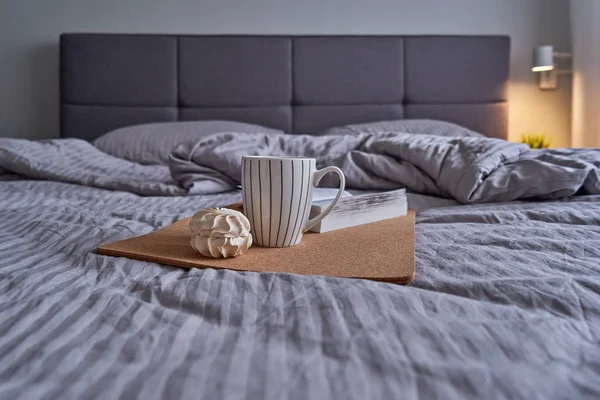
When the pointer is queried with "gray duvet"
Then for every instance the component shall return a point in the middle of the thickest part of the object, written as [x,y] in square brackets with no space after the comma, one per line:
[505,304]
[467,169]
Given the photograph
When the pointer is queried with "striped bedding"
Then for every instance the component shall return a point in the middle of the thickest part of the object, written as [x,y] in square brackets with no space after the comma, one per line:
[77,161]
[506,304]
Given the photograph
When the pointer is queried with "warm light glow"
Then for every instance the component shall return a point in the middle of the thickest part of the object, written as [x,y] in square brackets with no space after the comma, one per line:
[543,68]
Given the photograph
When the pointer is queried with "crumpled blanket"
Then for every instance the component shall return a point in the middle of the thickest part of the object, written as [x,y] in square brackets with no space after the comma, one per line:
[77,161]
[469,170]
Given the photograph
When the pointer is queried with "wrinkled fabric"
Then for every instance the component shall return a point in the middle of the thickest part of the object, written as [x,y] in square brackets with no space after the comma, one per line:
[77,161]
[505,304]
[469,170]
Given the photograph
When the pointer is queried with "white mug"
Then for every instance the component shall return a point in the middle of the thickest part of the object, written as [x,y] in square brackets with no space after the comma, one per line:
[277,195]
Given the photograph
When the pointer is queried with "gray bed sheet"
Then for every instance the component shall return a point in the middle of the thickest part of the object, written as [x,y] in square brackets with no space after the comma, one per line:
[505,304]
[470,170]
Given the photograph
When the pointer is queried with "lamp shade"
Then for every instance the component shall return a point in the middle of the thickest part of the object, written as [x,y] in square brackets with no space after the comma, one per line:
[543,58]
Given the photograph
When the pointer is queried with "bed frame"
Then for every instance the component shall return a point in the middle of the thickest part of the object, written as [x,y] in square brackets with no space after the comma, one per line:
[300,84]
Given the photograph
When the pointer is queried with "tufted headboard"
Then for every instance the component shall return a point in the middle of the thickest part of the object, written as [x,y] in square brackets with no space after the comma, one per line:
[300,84]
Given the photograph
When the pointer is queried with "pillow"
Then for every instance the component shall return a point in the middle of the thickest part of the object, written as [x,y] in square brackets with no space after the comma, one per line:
[422,126]
[152,143]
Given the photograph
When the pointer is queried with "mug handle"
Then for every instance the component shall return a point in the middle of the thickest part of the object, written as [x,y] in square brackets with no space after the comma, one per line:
[318,175]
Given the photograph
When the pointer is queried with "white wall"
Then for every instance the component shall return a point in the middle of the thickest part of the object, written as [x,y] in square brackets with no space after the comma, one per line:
[29,32]
[585,20]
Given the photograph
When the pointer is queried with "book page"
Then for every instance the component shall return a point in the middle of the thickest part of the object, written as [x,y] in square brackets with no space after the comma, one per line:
[320,194]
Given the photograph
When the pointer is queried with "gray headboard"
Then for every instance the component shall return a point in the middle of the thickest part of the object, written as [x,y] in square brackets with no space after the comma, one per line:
[300,84]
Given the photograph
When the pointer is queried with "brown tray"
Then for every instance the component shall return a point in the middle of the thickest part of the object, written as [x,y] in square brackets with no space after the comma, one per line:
[382,251]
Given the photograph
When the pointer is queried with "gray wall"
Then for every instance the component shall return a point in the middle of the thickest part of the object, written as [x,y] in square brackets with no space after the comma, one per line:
[585,22]
[29,32]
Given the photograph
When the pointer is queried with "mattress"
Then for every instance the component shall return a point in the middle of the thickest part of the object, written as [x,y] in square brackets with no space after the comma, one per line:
[505,304]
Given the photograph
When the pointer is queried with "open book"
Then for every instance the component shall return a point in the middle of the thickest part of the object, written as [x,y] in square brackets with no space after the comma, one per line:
[359,209]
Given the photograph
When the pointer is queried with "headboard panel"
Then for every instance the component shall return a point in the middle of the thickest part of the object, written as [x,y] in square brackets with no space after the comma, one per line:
[300,84]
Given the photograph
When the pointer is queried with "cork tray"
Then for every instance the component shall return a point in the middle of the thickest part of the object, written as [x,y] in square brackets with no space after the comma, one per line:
[382,251]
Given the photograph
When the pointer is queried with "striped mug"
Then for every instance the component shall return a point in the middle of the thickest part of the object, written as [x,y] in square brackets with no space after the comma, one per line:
[277,195]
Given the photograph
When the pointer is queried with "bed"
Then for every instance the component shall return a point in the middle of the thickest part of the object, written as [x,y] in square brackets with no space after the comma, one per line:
[505,303]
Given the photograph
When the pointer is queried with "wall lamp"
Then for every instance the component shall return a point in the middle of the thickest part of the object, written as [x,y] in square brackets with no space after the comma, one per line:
[543,62]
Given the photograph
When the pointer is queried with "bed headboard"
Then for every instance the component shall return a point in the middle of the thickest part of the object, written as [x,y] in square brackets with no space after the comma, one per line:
[300,84]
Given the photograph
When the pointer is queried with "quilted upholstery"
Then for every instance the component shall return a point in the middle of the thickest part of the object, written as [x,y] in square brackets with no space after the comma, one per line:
[299,84]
